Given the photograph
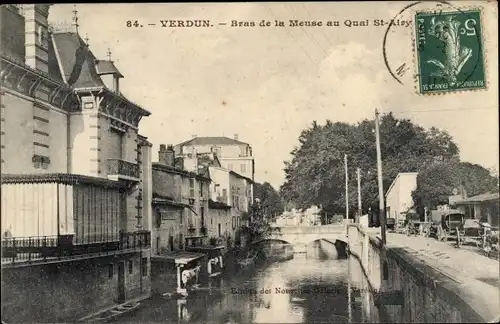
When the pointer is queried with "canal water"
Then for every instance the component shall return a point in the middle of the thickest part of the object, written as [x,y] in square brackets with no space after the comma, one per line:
[305,289]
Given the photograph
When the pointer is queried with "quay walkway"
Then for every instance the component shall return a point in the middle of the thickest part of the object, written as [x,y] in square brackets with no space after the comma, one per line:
[433,281]
[463,262]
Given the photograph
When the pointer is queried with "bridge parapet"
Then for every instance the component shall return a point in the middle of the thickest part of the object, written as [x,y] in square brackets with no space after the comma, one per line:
[304,235]
[309,229]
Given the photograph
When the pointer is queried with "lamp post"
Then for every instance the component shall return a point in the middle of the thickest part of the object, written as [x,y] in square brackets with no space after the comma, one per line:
[359,196]
[380,181]
[346,192]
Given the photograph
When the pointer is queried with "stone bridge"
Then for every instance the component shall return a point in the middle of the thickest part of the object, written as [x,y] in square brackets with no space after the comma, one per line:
[301,236]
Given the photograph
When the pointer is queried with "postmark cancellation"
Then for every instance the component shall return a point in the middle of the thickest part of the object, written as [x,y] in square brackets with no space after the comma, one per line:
[449,50]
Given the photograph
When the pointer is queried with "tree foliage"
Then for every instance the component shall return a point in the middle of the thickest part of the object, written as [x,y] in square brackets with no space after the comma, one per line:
[436,182]
[269,200]
[315,174]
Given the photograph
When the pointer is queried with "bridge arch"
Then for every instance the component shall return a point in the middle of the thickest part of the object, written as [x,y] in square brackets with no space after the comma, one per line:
[270,240]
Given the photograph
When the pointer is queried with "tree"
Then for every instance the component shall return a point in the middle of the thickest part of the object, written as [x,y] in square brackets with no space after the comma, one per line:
[436,182]
[315,174]
[269,200]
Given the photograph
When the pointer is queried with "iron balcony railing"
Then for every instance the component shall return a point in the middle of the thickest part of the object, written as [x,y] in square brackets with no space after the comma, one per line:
[139,239]
[120,167]
[27,249]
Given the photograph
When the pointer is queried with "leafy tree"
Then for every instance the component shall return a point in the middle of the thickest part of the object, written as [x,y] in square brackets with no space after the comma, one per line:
[315,174]
[436,182]
[259,228]
[269,200]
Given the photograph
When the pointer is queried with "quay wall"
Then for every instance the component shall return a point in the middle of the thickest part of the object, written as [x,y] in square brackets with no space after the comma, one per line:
[408,290]
[66,292]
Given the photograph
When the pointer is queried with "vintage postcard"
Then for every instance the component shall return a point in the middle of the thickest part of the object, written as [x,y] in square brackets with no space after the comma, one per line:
[250,162]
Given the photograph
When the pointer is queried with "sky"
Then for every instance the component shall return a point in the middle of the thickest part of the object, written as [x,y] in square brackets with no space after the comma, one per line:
[267,84]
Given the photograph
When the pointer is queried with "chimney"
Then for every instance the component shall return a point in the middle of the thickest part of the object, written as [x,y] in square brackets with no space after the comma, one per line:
[162,154]
[36,36]
[170,156]
[235,137]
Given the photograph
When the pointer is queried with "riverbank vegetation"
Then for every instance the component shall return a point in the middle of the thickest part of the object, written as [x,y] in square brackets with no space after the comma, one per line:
[315,175]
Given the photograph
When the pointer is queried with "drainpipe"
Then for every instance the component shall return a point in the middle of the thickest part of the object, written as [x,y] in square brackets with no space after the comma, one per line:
[58,215]
[68,143]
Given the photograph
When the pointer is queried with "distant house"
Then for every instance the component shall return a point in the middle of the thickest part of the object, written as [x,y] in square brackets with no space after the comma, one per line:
[398,197]
[229,204]
[482,207]
[232,153]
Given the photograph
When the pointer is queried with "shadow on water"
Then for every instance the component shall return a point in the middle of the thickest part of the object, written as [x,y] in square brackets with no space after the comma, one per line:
[313,287]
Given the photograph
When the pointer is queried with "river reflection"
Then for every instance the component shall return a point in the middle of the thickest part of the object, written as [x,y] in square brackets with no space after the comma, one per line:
[305,289]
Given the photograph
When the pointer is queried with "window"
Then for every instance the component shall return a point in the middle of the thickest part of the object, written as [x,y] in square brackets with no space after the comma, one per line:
[130,266]
[144,267]
[110,271]
[41,136]
[230,167]
[243,168]
[201,189]
[191,188]
[243,151]
[224,194]
[234,222]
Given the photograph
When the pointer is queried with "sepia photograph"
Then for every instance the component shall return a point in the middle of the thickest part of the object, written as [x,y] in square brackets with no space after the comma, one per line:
[250,162]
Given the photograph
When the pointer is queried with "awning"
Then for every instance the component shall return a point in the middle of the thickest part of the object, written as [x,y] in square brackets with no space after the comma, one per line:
[173,203]
[179,257]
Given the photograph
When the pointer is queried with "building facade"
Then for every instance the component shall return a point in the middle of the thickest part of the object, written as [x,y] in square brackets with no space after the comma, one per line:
[229,204]
[180,203]
[398,196]
[232,154]
[482,207]
[76,176]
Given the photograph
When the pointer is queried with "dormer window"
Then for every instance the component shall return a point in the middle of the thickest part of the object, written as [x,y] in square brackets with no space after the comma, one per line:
[42,37]
[109,75]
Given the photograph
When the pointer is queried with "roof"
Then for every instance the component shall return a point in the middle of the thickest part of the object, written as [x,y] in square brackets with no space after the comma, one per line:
[76,61]
[180,257]
[169,201]
[397,177]
[240,176]
[107,67]
[62,178]
[170,169]
[217,140]
[79,67]
[480,198]
[217,205]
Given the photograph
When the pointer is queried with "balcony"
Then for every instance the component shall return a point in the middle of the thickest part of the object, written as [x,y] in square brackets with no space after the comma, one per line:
[42,249]
[122,170]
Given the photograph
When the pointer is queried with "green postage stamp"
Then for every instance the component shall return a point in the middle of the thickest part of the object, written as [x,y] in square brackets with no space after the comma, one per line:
[449,51]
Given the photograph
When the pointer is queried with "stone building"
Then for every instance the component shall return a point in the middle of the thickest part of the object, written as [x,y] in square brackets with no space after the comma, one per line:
[233,154]
[76,176]
[180,203]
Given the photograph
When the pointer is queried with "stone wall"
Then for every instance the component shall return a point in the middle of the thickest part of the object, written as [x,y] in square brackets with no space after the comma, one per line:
[163,277]
[419,292]
[65,292]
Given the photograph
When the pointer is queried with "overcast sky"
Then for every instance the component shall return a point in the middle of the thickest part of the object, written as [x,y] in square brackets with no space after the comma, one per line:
[267,84]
